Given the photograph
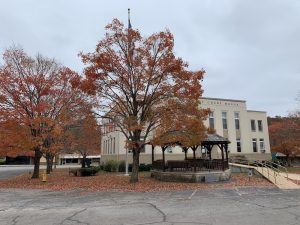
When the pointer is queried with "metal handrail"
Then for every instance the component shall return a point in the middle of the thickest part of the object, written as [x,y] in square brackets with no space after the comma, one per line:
[267,164]
[278,165]
[282,170]
[264,166]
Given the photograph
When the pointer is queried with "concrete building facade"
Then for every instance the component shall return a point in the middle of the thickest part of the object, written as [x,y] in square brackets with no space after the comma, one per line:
[247,131]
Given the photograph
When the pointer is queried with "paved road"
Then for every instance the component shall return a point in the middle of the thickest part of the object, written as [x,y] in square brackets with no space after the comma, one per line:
[205,207]
[11,171]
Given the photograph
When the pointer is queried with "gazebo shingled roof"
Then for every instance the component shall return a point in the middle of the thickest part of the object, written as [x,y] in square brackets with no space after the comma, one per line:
[215,139]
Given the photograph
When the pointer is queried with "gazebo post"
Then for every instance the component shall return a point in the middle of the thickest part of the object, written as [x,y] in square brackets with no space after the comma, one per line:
[194,153]
[185,149]
[210,148]
[152,154]
[226,152]
[223,167]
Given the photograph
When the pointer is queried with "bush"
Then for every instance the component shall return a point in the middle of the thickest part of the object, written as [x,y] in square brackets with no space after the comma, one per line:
[145,167]
[114,166]
[111,166]
[90,171]
[122,166]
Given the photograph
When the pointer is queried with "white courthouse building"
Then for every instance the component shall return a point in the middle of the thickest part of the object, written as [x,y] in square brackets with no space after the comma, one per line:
[247,131]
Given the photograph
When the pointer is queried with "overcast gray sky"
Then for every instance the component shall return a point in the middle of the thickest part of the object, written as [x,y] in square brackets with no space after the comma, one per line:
[249,49]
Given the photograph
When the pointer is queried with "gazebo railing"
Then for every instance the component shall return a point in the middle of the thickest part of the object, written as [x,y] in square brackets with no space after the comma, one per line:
[158,165]
[191,165]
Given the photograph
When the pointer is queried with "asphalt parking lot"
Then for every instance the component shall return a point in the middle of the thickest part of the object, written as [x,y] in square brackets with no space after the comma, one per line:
[207,207]
[11,171]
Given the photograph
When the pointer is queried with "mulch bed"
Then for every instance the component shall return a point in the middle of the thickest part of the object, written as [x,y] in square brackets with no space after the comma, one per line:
[113,182]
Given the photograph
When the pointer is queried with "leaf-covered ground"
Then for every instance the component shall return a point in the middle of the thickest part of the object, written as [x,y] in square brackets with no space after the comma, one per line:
[60,180]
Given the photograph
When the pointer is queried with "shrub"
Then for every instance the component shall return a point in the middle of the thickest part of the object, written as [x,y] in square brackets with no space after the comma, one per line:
[90,171]
[122,166]
[111,166]
[145,167]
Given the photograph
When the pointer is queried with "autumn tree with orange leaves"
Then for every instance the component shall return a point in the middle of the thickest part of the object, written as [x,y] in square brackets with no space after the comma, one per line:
[285,135]
[83,135]
[33,94]
[133,76]
[181,125]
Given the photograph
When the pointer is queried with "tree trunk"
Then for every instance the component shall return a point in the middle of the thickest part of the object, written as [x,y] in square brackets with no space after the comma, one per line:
[49,160]
[135,166]
[48,163]
[51,165]
[36,160]
[55,161]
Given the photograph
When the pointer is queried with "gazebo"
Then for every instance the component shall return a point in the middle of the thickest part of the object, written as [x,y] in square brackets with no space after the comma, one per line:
[194,166]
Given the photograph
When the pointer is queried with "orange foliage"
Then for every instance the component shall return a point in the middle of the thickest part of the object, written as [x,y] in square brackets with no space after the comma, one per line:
[33,94]
[133,76]
[285,135]
[181,122]
[83,135]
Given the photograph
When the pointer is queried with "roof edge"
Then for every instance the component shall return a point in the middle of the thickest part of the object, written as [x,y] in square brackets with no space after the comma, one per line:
[257,111]
[223,99]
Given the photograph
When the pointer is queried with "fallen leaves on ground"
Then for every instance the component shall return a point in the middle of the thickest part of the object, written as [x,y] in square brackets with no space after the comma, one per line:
[113,182]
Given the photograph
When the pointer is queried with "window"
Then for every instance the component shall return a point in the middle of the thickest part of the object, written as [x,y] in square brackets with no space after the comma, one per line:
[254,144]
[107,146]
[260,127]
[114,148]
[169,149]
[238,145]
[143,149]
[211,120]
[237,120]
[224,120]
[261,144]
[253,128]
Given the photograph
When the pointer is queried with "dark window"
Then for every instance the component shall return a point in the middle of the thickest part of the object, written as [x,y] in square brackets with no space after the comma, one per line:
[114,145]
[170,149]
[211,120]
[261,144]
[143,149]
[254,145]
[260,127]
[238,145]
[237,120]
[224,120]
[253,127]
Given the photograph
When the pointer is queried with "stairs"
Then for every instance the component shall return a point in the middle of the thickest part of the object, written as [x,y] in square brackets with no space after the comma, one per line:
[273,174]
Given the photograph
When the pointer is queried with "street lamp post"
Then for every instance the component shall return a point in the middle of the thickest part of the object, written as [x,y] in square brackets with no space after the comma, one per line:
[126,163]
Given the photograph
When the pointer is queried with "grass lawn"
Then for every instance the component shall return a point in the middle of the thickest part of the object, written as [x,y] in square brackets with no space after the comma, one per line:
[60,180]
